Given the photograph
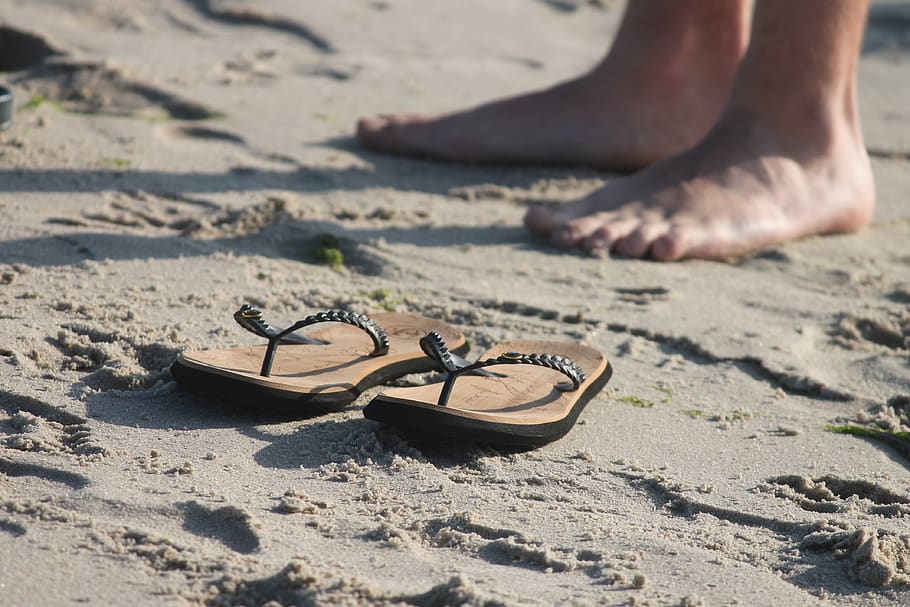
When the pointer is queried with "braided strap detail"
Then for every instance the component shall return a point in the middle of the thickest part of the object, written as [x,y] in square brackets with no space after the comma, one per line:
[361,321]
[564,365]
[434,346]
[251,319]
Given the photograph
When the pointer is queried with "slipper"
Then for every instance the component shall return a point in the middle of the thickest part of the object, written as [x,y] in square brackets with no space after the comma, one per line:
[325,369]
[526,401]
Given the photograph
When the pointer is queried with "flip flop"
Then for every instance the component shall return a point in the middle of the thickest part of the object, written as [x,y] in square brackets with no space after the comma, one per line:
[522,403]
[325,369]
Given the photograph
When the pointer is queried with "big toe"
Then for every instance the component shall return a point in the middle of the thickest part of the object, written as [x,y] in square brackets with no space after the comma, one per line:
[397,133]
[540,221]
[370,129]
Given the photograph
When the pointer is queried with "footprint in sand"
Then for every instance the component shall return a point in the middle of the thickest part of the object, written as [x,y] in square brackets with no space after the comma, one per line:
[299,583]
[834,494]
[28,424]
[229,525]
[13,468]
[888,332]
[99,88]
[138,209]
[494,545]
[111,360]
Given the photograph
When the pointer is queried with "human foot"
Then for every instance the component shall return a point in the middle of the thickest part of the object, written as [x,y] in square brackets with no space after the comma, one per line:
[738,191]
[580,123]
[657,92]
[785,160]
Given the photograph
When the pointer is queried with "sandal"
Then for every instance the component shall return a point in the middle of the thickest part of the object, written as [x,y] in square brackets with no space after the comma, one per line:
[325,369]
[522,403]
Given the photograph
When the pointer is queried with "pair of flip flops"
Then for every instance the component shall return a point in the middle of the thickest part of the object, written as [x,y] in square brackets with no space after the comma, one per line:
[517,393]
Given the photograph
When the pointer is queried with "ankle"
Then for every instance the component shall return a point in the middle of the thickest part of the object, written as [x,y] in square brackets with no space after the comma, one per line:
[683,64]
[682,35]
[808,125]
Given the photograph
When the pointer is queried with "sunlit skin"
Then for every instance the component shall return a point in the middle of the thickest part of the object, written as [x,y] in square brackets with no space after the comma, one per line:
[750,136]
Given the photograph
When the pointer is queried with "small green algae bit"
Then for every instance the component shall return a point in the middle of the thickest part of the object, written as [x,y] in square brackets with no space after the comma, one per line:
[385,298]
[329,256]
[635,401]
[693,413]
[327,252]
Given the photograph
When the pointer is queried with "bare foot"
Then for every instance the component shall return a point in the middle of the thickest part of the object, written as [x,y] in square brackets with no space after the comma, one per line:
[742,189]
[657,92]
[785,160]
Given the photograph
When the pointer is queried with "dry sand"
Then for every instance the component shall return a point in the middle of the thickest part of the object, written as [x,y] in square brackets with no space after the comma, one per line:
[172,160]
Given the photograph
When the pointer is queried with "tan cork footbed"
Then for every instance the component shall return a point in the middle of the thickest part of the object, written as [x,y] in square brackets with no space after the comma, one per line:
[524,395]
[336,367]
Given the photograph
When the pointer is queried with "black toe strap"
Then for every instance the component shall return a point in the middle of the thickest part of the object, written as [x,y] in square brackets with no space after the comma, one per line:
[251,319]
[435,347]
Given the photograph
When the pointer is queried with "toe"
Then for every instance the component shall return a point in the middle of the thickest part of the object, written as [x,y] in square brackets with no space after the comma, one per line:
[402,133]
[670,246]
[576,232]
[558,223]
[605,236]
[640,240]
[369,128]
[568,236]
[540,221]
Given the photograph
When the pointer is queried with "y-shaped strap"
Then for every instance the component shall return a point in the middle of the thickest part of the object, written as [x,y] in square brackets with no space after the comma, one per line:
[251,319]
[435,347]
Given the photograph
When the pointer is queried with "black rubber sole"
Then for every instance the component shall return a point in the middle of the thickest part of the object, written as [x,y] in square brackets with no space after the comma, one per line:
[256,397]
[438,421]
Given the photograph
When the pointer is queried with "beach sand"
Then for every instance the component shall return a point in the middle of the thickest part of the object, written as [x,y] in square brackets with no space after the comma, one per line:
[174,159]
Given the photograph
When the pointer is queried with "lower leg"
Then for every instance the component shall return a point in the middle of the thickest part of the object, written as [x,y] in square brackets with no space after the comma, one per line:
[657,91]
[786,158]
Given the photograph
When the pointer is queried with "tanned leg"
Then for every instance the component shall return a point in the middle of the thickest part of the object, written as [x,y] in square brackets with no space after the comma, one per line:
[785,160]
[657,92]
